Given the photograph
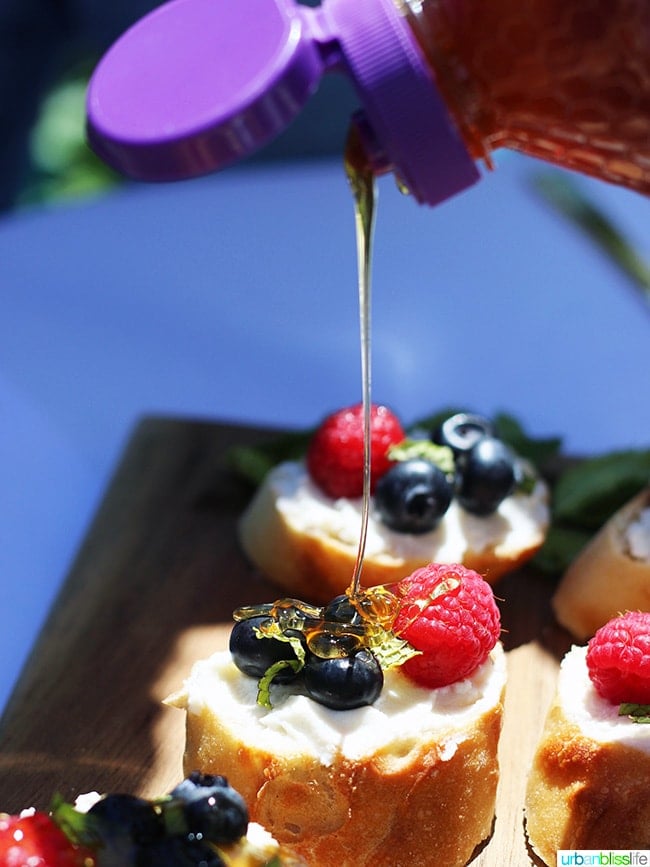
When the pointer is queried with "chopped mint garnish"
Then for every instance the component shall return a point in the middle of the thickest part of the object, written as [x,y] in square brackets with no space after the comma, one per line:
[79,828]
[441,456]
[526,485]
[274,630]
[389,650]
[264,685]
[638,713]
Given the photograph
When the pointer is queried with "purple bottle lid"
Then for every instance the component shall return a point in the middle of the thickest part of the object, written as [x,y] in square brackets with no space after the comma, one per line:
[197,85]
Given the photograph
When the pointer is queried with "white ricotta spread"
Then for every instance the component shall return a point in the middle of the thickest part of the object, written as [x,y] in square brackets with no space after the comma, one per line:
[638,536]
[518,520]
[86,801]
[395,724]
[597,718]
[260,843]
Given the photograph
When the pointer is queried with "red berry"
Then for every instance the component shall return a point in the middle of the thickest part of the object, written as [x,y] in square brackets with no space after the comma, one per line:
[618,659]
[34,840]
[449,613]
[335,454]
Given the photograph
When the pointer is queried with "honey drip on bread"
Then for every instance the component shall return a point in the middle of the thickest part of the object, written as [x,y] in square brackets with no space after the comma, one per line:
[363,183]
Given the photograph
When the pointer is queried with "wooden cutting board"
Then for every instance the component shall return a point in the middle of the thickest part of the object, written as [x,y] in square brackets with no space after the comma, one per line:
[152,589]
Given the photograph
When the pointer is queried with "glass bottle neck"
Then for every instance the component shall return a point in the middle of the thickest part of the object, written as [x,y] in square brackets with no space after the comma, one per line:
[567,81]
[432,23]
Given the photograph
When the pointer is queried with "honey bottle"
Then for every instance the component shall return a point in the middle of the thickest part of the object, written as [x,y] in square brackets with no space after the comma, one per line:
[199,84]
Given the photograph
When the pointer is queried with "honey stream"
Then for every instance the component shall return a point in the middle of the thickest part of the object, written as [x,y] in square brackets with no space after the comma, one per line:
[363,184]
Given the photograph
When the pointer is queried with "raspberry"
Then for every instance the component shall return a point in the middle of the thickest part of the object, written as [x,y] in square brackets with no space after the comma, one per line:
[34,839]
[454,630]
[335,453]
[618,659]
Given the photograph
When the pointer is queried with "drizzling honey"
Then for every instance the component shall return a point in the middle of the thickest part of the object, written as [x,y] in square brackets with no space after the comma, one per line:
[363,183]
[369,612]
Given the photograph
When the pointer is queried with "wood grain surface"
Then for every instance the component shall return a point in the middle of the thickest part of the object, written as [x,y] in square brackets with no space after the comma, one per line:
[152,589]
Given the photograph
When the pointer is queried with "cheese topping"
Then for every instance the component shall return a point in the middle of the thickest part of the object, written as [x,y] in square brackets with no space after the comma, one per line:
[399,721]
[305,507]
[597,718]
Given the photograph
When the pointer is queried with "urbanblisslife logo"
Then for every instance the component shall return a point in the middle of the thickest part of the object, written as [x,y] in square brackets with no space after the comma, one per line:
[609,857]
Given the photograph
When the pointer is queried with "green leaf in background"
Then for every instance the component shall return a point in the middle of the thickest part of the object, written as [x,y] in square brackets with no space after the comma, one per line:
[567,199]
[561,546]
[252,463]
[538,450]
[589,493]
[64,167]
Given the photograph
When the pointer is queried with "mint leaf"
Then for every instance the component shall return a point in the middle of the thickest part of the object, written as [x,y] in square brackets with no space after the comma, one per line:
[560,548]
[588,494]
[274,630]
[638,713]
[80,828]
[264,685]
[389,650]
[252,463]
[538,450]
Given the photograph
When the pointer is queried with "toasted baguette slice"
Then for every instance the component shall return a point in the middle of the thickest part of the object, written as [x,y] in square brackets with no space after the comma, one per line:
[408,780]
[607,577]
[307,543]
[589,783]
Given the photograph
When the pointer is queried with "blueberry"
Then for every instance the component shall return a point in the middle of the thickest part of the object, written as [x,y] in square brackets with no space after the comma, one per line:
[413,496]
[488,474]
[213,810]
[254,655]
[341,610]
[343,684]
[198,785]
[462,431]
[128,817]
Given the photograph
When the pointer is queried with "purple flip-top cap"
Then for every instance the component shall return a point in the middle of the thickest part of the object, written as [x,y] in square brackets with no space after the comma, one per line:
[199,84]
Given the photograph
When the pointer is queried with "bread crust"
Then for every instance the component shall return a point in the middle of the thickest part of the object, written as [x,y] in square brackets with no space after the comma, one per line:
[427,800]
[604,580]
[423,810]
[316,566]
[584,794]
